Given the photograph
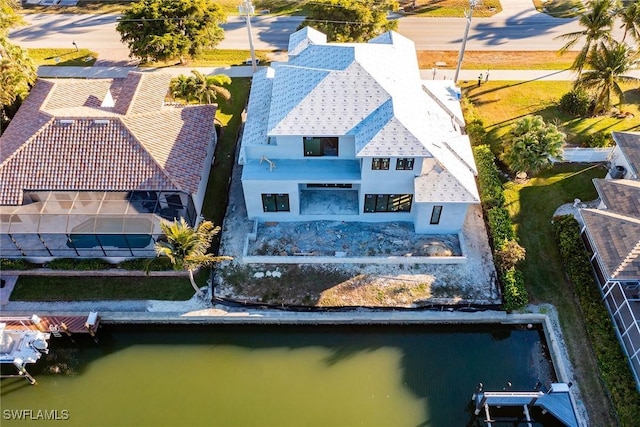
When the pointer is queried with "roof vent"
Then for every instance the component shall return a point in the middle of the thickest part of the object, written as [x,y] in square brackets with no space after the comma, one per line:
[107,102]
[66,121]
[101,122]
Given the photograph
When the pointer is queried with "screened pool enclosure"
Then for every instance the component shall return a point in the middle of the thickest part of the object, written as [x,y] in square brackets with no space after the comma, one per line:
[89,223]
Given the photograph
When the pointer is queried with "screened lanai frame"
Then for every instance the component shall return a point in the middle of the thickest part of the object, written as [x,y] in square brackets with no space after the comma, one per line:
[88,223]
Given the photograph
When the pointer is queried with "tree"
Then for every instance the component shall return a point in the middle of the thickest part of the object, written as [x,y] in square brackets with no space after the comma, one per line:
[208,88]
[163,30]
[597,22]
[17,70]
[608,64]
[350,20]
[531,145]
[630,17]
[204,89]
[187,247]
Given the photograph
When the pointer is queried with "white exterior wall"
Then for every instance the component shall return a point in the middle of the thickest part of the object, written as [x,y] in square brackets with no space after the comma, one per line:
[253,191]
[617,159]
[198,197]
[451,218]
[292,147]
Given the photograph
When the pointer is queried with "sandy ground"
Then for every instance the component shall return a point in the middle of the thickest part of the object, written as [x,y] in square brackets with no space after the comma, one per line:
[352,284]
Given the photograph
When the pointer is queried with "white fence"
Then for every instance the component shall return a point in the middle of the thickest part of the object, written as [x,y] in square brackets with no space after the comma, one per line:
[585,155]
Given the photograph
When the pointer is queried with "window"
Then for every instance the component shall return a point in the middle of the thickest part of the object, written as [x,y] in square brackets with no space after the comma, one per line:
[380,164]
[404,164]
[387,203]
[275,202]
[329,185]
[320,146]
[435,215]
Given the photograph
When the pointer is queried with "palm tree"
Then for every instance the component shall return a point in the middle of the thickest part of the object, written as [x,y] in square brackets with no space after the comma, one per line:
[208,88]
[597,23]
[181,87]
[532,145]
[630,16]
[186,247]
[608,66]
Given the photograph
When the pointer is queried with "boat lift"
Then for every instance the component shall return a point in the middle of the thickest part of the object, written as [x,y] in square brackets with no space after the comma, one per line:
[555,402]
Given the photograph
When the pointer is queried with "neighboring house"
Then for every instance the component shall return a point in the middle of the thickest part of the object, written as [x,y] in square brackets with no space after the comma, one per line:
[612,235]
[88,168]
[350,132]
[625,158]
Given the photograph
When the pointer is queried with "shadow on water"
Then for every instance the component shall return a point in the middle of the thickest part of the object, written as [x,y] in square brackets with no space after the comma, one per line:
[440,365]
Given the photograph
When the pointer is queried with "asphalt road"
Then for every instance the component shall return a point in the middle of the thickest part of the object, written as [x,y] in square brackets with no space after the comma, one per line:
[502,32]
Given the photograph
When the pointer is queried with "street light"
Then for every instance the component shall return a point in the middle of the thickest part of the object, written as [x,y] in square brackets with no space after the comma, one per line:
[467,14]
[74,43]
[246,8]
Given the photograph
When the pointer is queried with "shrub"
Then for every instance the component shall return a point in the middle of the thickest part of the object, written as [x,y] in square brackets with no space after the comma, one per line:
[500,227]
[600,140]
[78,264]
[577,102]
[475,130]
[144,264]
[16,264]
[612,361]
[489,181]
[515,294]
[509,255]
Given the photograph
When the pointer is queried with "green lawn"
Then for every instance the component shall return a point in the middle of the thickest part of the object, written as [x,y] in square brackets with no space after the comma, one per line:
[500,103]
[56,288]
[531,206]
[218,58]
[229,115]
[63,57]
[560,8]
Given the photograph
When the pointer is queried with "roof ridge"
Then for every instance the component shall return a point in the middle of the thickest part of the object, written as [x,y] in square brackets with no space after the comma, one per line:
[30,140]
[153,159]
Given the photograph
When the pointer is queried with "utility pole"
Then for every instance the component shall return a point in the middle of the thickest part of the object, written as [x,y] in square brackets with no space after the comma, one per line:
[247,9]
[467,14]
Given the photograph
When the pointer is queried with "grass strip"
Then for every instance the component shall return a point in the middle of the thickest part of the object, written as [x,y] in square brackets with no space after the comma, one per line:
[59,288]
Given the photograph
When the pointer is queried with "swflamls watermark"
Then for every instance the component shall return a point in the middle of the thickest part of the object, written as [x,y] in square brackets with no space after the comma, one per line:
[35,414]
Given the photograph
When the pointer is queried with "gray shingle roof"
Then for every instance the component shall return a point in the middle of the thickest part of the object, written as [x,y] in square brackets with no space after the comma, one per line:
[629,143]
[55,142]
[615,230]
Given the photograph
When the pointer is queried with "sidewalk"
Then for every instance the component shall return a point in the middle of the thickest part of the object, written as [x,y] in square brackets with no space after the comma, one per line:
[47,71]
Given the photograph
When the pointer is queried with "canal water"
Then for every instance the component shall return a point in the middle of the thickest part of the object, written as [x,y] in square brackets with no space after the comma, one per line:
[416,375]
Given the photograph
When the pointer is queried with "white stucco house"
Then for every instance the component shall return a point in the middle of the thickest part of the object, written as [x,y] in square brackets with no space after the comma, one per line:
[350,132]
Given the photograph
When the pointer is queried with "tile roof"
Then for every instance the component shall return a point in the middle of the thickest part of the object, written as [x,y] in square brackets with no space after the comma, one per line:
[62,138]
[629,143]
[370,90]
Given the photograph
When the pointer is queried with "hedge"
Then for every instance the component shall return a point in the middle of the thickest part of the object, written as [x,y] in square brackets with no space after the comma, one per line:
[613,365]
[489,180]
[85,264]
[500,227]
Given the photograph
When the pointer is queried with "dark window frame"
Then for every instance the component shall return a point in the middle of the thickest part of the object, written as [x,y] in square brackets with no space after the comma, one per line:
[321,146]
[436,214]
[405,163]
[275,202]
[380,163]
[379,203]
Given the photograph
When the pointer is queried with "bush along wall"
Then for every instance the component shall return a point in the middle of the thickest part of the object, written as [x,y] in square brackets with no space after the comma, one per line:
[514,292]
[612,363]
